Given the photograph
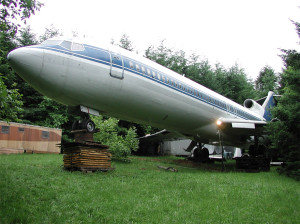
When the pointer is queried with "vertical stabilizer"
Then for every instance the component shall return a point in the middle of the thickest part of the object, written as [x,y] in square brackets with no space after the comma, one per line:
[268,104]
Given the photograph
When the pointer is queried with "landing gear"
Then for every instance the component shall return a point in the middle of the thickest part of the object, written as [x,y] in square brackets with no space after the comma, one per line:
[257,160]
[201,155]
[86,124]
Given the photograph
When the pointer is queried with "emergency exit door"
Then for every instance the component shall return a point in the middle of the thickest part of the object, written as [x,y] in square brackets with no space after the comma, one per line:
[117,66]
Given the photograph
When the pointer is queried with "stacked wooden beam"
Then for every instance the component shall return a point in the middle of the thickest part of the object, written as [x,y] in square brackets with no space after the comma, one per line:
[86,156]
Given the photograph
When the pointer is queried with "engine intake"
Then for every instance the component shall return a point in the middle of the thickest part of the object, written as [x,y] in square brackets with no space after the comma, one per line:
[254,107]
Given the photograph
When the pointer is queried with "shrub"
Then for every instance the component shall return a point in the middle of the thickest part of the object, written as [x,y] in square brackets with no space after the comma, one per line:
[120,145]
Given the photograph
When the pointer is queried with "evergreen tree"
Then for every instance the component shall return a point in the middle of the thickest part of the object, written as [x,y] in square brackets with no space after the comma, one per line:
[12,11]
[285,133]
[266,81]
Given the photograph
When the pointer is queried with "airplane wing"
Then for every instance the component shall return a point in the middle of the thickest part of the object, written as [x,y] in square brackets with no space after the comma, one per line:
[241,127]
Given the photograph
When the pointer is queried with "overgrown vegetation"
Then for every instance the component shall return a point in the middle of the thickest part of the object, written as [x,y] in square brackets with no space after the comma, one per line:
[121,141]
[35,189]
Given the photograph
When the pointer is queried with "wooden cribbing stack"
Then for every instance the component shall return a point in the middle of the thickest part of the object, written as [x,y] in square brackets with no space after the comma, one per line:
[86,155]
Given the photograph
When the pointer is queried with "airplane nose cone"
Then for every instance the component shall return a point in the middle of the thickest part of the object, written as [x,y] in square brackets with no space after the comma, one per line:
[27,62]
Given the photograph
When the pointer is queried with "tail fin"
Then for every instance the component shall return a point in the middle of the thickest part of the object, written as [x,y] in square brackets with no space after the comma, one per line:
[269,103]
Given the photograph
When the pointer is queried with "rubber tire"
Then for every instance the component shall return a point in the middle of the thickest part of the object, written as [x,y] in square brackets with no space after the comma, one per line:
[89,125]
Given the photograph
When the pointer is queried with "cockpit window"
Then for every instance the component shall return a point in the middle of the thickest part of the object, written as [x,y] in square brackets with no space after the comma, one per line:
[77,47]
[66,44]
[51,42]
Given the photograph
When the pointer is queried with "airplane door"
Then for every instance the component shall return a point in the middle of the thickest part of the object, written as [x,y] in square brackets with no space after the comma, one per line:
[117,66]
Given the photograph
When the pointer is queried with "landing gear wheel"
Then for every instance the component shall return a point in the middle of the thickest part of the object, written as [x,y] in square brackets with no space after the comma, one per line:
[86,124]
[89,125]
[201,155]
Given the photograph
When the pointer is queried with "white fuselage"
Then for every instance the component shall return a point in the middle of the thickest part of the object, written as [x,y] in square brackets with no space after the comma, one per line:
[124,85]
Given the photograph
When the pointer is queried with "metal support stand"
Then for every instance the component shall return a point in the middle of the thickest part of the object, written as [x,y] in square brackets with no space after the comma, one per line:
[221,144]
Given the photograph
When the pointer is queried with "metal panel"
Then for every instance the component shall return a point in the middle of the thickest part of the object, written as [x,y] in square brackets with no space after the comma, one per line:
[243,125]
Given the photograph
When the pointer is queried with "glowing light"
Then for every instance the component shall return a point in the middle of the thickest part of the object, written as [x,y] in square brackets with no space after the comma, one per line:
[219,122]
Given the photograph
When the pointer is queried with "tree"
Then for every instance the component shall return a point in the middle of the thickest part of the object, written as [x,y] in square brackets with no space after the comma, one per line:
[266,81]
[174,60]
[126,43]
[285,133]
[10,103]
[236,86]
[13,11]
[26,37]
[50,33]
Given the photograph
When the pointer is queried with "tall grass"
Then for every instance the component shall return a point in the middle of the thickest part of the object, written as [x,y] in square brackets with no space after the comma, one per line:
[35,189]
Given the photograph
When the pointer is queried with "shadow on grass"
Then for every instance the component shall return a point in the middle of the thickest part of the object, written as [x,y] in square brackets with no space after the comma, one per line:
[229,166]
[185,165]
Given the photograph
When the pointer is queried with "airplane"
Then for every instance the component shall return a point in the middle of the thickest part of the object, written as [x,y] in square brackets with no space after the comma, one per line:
[105,79]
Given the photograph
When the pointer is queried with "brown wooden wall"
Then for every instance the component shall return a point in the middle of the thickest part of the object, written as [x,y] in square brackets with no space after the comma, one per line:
[29,137]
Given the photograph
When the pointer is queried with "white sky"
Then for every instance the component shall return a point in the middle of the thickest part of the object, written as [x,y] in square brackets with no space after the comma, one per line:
[247,32]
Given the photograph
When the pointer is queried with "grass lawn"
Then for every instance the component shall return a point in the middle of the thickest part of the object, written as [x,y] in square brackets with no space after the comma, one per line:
[35,189]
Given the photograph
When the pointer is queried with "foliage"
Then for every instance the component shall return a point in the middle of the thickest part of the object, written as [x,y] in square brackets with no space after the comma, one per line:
[266,81]
[52,114]
[10,98]
[10,13]
[26,37]
[13,10]
[10,103]
[285,133]
[50,33]
[126,43]
[166,57]
[120,141]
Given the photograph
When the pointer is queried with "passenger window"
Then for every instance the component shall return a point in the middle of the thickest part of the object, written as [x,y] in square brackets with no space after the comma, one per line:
[153,74]
[148,71]
[131,65]
[158,76]
[143,70]
[137,67]
[163,78]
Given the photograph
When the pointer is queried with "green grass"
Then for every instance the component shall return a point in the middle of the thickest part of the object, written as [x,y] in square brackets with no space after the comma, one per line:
[35,189]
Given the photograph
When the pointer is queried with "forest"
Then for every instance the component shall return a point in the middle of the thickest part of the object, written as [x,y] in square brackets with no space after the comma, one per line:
[21,103]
